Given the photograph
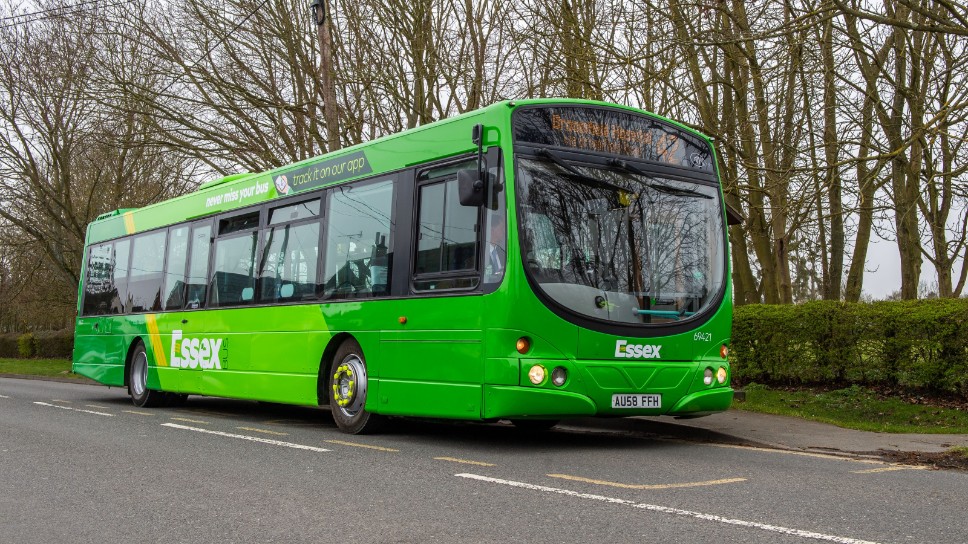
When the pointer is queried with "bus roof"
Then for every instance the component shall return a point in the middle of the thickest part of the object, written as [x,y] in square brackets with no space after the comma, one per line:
[385,154]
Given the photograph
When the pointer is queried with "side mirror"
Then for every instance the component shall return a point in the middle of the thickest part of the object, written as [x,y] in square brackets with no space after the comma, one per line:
[470,188]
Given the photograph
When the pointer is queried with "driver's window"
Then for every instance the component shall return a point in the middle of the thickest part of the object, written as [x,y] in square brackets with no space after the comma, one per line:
[359,242]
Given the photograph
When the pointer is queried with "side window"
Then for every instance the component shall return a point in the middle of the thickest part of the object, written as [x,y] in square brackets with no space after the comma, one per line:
[287,269]
[359,241]
[147,271]
[197,285]
[99,286]
[234,273]
[173,290]
[119,295]
[447,235]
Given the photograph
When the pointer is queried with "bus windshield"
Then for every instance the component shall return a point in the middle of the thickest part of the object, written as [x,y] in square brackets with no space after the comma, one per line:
[618,243]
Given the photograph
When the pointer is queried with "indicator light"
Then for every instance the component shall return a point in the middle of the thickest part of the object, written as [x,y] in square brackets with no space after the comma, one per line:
[724,351]
[523,345]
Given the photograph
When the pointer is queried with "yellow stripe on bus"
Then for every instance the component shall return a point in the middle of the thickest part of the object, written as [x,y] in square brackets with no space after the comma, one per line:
[129,222]
[155,339]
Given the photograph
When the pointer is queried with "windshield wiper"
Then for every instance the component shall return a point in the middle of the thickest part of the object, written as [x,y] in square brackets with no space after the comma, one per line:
[654,183]
[574,172]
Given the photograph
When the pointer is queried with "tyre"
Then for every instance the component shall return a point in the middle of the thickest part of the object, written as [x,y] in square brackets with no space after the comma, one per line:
[534,425]
[348,389]
[141,396]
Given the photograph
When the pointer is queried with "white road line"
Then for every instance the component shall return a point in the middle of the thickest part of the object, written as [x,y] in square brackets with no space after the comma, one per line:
[74,409]
[4,397]
[245,437]
[668,510]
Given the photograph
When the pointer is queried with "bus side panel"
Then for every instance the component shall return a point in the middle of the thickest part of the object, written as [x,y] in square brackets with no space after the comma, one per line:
[432,365]
[92,356]
[276,359]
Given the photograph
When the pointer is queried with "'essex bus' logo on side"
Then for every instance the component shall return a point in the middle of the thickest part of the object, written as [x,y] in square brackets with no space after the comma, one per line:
[636,351]
[195,352]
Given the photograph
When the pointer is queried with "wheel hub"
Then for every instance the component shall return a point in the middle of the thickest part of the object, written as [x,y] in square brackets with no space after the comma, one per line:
[139,380]
[349,385]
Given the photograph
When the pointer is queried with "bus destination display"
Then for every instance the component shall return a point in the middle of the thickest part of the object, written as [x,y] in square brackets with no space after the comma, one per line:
[614,132]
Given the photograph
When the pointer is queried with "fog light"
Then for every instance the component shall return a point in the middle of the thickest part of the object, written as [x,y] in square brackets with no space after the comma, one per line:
[523,345]
[707,377]
[537,374]
[721,375]
[559,375]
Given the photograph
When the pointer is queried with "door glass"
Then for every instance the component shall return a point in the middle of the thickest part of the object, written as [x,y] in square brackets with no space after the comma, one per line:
[197,285]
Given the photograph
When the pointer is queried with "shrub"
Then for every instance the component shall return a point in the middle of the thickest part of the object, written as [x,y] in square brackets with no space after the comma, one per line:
[46,344]
[26,345]
[55,344]
[916,345]
[8,345]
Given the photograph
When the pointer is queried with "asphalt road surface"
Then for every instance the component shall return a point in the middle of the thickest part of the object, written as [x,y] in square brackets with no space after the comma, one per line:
[79,463]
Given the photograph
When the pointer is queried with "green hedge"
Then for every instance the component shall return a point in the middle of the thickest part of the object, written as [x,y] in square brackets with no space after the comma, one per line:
[44,344]
[916,345]
[8,345]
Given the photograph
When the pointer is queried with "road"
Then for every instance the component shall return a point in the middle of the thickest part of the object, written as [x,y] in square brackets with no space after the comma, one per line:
[79,463]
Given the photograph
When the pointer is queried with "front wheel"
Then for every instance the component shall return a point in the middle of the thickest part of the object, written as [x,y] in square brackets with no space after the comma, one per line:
[348,389]
[141,396]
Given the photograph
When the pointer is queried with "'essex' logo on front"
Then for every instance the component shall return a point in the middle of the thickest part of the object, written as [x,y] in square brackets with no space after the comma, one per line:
[636,351]
[195,352]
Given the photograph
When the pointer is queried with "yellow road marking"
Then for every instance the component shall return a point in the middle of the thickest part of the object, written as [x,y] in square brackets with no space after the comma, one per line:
[647,486]
[292,422]
[465,461]
[189,420]
[59,400]
[354,444]
[802,454]
[262,431]
[137,412]
[889,469]
[96,406]
[204,412]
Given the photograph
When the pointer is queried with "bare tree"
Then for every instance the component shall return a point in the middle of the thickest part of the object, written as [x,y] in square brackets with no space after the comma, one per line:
[65,156]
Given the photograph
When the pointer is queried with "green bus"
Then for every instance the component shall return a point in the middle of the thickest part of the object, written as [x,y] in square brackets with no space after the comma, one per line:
[528,261]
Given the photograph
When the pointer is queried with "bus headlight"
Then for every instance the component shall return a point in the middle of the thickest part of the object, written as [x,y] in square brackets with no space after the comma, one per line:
[537,374]
[559,375]
[721,375]
[707,376]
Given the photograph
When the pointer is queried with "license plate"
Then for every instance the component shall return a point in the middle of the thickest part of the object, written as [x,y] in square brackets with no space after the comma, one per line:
[637,401]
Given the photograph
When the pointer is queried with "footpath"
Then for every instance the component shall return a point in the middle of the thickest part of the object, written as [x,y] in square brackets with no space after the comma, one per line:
[784,432]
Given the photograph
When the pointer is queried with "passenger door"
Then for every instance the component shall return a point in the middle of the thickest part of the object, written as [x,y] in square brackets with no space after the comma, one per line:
[432,358]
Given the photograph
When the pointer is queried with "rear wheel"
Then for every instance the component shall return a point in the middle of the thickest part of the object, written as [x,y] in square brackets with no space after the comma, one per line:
[141,396]
[348,391]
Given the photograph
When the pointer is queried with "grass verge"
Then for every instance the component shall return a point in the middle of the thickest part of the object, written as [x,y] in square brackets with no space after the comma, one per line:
[49,368]
[855,408]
